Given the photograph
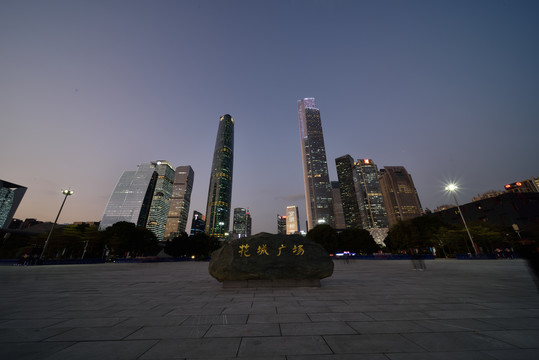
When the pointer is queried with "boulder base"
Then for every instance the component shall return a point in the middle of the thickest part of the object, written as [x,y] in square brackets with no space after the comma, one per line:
[271,260]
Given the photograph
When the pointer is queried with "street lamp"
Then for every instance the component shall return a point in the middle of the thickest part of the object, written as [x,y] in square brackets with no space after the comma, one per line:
[452,188]
[66,193]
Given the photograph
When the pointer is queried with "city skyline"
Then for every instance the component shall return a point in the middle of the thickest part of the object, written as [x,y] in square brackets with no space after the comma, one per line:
[445,89]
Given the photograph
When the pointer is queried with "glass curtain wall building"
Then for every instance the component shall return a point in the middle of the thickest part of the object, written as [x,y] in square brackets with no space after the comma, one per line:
[347,176]
[400,195]
[198,224]
[318,194]
[372,207]
[10,197]
[292,220]
[131,199]
[242,223]
[180,202]
[220,189]
[160,206]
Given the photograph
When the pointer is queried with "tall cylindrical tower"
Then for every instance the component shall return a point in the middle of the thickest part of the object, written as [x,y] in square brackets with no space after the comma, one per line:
[220,190]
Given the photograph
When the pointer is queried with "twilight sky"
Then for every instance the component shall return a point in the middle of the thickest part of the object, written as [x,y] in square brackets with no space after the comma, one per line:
[89,89]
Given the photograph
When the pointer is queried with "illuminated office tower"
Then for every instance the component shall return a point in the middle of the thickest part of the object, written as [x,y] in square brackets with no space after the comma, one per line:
[281,224]
[400,195]
[292,220]
[220,189]
[10,197]
[180,201]
[198,224]
[131,199]
[348,179]
[338,212]
[241,226]
[318,194]
[157,218]
[371,206]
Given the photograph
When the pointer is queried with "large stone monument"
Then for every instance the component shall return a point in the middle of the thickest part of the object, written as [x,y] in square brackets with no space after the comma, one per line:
[266,260]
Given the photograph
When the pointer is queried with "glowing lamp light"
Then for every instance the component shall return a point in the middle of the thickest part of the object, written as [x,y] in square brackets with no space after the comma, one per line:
[519,184]
[451,187]
[508,186]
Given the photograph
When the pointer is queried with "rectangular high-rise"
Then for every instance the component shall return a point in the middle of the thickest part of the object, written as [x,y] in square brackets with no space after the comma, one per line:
[292,220]
[400,195]
[10,197]
[318,194]
[180,202]
[371,207]
[157,218]
[348,178]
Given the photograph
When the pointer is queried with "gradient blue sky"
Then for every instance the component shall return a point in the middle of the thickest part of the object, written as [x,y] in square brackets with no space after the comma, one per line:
[89,89]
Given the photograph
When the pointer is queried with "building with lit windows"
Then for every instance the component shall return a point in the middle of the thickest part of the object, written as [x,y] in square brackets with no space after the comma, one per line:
[157,218]
[371,206]
[400,195]
[241,226]
[180,202]
[347,176]
[318,194]
[524,186]
[292,220]
[281,224]
[338,212]
[220,189]
[10,197]
[131,199]
[198,223]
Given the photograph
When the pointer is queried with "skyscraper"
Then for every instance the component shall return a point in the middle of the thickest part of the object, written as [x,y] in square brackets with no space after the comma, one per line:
[198,224]
[220,189]
[180,201]
[349,197]
[371,207]
[292,220]
[10,197]
[242,223]
[338,212]
[400,195]
[318,195]
[281,224]
[131,199]
[157,218]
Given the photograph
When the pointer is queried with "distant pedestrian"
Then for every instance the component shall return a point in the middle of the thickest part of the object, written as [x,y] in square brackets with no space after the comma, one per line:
[417,260]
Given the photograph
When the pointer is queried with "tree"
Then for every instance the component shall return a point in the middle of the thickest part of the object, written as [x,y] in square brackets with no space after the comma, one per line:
[199,245]
[124,238]
[326,236]
[358,241]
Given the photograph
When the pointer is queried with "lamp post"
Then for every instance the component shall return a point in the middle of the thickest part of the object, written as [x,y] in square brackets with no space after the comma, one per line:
[452,188]
[66,193]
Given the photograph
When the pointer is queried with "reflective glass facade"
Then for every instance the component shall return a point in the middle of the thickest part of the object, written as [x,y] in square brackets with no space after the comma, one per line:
[10,197]
[318,194]
[159,208]
[198,224]
[180,201]
[131,199]
[220,189]
[349,197]
[242,223]
[400,194]
[372,207]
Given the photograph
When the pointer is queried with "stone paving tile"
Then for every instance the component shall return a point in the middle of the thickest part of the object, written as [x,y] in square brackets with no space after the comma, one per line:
[513,354]
[241,330]
[454,355]
[386,327]
[514,323]
[296,309]
[90,322]
[31,350]
[154,320]
[290,345]
[318,317]
[338,357]
[451,341]
[169,332]
[448,325]
[216,319]
[103,350]
[277,318]
[523,339]
[216,348]
[29,323]
[28,334]
[320,328]
[93,333]
[370,343]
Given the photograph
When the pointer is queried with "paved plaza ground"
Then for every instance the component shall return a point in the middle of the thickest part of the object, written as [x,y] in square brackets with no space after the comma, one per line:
[368,309]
